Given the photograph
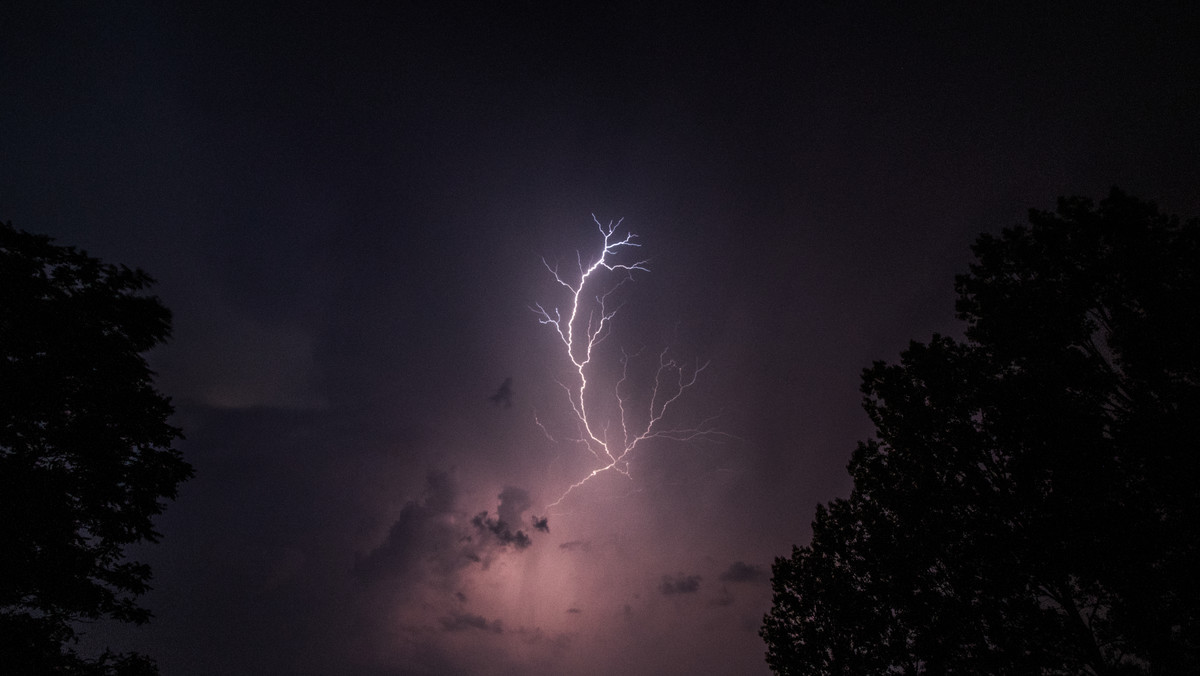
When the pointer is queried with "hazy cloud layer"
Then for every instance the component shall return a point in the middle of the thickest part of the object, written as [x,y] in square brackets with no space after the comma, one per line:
[466,621]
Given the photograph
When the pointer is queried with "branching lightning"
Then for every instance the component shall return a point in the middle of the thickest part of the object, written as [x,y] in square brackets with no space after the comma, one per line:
[581,330]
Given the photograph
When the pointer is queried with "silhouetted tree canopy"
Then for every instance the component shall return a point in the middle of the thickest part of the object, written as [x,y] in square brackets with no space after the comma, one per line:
[1030,503]
[85,451]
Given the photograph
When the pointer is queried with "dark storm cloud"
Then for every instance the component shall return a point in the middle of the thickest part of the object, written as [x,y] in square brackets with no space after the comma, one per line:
[514,502]
[541,523]
[429,533]
[499,530]
[423,531]
[504,394]
[468,622]
[573,611]
[739,571]
[577,545]
[679,584]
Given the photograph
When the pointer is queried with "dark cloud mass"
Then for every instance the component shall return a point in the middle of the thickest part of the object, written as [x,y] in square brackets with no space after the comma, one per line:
[679,584]
[424,532]
[504,394]
[742,572]
[504,529]
[428,534]
[499,530]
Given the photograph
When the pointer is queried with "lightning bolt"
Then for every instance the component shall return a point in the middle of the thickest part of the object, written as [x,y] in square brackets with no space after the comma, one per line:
[585,327]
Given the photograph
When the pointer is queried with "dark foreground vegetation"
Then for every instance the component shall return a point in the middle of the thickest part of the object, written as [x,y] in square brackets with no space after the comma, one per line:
[86,457]
[1030,503]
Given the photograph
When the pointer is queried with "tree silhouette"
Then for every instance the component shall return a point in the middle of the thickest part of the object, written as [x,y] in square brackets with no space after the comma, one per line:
[85,451]
[1029,503]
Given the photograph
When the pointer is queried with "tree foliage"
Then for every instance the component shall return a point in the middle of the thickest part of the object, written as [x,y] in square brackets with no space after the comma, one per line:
[86,457]
[1029,502]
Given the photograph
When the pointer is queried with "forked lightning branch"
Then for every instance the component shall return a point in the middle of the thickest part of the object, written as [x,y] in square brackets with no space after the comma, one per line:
[612,438]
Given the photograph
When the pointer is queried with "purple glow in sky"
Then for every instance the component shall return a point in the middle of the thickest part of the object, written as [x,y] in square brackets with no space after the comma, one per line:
[347,207]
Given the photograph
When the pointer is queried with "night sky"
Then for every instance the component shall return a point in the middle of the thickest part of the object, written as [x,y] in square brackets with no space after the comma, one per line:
[347,208]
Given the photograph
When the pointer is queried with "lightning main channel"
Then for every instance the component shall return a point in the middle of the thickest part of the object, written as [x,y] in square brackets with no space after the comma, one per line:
[581,330]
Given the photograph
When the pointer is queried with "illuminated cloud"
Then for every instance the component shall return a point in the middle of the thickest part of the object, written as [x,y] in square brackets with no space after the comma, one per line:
[513,503]
[500,531]
[424,532]
[431,537]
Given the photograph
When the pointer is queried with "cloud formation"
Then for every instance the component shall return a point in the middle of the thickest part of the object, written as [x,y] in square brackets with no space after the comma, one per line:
[431,536]
[513,503]
[504,394]
[739,571]
[500,531]
[679,584]
[423,533]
